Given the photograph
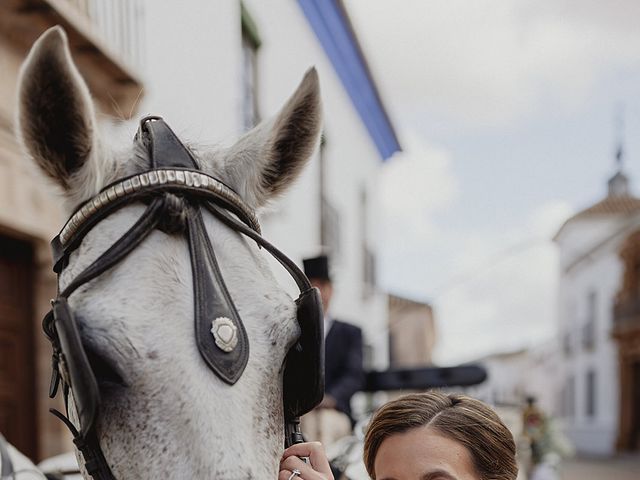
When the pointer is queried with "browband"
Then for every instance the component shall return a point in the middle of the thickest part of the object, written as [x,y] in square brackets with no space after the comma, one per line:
[124,191]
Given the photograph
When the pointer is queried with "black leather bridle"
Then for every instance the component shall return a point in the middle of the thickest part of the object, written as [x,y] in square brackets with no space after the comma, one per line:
[175,191]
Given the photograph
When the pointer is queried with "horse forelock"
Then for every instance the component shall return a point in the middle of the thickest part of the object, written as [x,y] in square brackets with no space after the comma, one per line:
[116,156]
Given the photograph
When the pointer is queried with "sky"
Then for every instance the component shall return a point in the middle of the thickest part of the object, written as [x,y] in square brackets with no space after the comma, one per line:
[508,112]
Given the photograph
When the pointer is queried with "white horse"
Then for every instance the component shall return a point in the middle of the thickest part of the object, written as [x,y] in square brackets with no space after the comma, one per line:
[170,416]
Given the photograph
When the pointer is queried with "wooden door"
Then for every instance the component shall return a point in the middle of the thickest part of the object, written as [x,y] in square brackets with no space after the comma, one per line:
[635,407]
[17,355]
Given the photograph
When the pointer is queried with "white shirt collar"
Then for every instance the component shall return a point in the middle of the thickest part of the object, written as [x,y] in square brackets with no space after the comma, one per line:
[328,322]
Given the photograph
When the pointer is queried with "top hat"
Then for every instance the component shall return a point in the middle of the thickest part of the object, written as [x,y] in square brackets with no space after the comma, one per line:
[317,267]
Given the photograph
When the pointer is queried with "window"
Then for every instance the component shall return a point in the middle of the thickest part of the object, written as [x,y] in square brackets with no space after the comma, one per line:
[589,328]
[630,292]
[569,397]
[368,258]
[569,335]
[636,276]
[590,384]
[330,235]
[250,44]
[392,352]
[368,356]
[566,343]
[329,215]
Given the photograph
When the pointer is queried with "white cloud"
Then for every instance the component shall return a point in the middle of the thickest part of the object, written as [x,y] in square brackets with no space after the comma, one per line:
[417,181]
[482,63]
[504,299]
[492,290]
[480,249]
[415,185]
[511,304]
[494,61]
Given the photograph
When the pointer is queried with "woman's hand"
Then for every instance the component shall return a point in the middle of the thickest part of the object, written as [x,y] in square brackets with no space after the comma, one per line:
[292,467]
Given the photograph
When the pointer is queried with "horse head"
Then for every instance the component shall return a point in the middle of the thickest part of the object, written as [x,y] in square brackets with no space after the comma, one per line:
[163,412]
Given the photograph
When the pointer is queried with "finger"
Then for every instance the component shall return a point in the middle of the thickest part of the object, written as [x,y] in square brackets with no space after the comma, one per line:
[313,450]
[307,472]
[284,474]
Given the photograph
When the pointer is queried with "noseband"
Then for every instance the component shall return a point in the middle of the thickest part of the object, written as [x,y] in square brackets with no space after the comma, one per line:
[175,191]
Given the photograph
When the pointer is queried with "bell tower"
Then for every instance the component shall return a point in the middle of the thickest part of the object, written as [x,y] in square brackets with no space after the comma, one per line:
[619,183]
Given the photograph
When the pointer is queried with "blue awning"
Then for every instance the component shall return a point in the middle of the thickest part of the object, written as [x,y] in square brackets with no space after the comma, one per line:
[331,25]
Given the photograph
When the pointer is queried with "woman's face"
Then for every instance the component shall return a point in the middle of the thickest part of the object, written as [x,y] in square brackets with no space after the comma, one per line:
[423,454]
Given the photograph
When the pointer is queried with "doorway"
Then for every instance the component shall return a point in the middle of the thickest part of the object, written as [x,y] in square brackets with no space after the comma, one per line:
[635,406]
[17,355]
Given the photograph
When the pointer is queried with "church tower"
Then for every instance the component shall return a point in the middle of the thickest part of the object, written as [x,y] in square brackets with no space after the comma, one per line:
[599,319]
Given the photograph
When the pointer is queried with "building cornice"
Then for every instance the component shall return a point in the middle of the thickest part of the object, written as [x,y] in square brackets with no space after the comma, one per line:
[331,24]
[112,82]
[632,224]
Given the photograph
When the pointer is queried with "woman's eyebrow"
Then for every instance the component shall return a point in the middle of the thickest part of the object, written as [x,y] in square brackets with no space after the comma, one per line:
[438,474]
[431,475]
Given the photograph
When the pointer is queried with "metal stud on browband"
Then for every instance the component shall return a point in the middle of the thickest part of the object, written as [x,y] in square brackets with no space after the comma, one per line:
[138,184]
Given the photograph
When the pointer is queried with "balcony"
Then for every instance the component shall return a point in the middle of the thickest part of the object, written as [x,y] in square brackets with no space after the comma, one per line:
[330,229]
[589,334]
[626,315]
[104,38]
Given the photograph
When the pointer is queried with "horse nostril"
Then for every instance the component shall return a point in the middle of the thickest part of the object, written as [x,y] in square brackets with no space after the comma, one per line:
[106,373]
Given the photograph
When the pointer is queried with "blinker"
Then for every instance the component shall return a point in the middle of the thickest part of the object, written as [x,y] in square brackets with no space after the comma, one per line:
[74,365]
[303,380]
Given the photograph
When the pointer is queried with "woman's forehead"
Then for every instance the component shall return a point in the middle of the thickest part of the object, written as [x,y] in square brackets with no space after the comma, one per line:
[423,453]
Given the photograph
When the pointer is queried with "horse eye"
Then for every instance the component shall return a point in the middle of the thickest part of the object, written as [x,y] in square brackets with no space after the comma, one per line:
[104,370]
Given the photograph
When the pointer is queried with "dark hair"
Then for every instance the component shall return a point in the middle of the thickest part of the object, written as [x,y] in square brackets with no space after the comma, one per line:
[458,417]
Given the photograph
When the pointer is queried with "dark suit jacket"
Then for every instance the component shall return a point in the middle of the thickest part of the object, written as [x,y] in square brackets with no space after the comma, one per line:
[344,374]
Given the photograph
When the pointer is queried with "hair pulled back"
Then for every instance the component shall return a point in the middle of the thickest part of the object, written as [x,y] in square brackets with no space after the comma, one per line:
[458,417]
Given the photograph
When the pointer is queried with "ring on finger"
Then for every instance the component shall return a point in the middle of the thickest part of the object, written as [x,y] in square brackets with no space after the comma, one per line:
[294,473]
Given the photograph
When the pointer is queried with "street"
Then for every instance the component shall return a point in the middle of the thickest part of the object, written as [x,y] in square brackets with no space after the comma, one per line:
[619,468]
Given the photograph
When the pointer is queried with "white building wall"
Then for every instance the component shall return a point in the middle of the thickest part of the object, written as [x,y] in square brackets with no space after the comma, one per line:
[512,377]
[289,48]
[601,272]
[192,76]
[579,240]
[506,379]
[542,379]
[193,67]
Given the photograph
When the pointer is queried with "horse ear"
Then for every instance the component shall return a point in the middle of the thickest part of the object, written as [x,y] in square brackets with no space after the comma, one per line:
[268,158]
[56,119]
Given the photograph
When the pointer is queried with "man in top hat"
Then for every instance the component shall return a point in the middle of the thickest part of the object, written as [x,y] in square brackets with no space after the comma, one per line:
[344,374]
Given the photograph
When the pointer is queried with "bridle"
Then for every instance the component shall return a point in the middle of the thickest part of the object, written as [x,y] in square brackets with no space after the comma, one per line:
[175,191]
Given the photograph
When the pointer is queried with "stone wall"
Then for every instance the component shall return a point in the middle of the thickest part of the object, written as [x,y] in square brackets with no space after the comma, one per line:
[29,211]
